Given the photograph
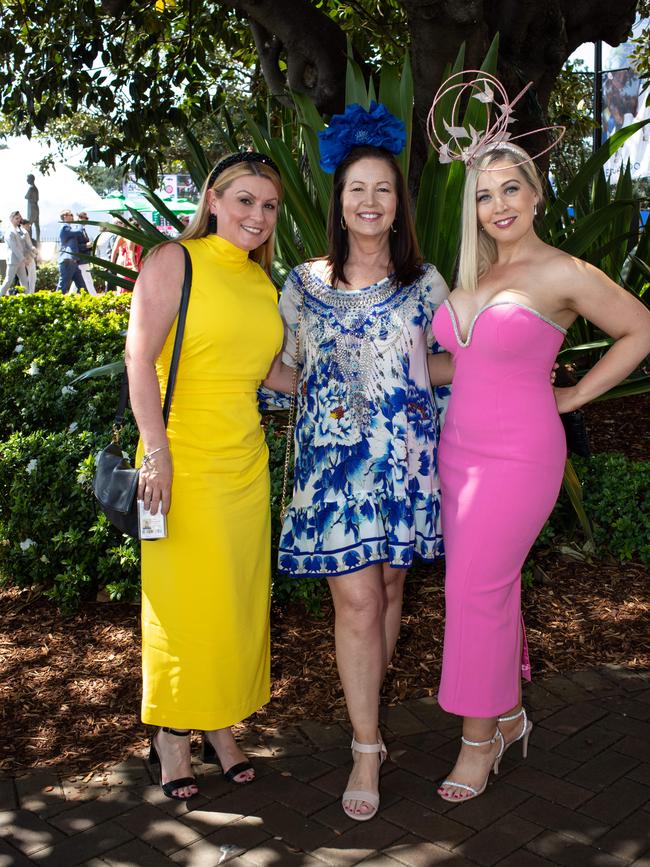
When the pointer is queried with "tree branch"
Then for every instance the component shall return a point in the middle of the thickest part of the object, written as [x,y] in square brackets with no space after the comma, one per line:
[269,49]
[314,47]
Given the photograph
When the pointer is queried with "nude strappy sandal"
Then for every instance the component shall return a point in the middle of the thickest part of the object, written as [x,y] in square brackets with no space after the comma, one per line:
[371,798]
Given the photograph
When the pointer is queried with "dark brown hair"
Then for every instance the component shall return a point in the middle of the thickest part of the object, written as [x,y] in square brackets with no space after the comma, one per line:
[404,248]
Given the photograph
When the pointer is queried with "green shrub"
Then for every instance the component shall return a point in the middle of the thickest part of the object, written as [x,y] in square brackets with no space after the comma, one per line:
[47,276]
[616,493]
[50,535]
[616,496]
[47,339]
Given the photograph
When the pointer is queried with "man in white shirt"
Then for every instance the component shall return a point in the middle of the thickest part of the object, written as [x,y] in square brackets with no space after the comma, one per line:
[84,267]
[16,266]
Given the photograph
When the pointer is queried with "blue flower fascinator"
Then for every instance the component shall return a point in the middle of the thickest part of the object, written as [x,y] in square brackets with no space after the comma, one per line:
[357,127]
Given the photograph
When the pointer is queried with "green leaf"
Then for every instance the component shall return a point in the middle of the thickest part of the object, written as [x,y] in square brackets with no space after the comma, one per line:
[572,486]
[355,85]
[634,385]
[583,348]
[116,367]
[583,179]
[588,229]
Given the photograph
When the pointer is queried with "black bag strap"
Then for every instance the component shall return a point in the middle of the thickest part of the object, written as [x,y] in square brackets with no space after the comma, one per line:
[176,354]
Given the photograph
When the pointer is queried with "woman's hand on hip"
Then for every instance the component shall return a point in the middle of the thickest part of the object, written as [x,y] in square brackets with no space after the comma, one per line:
[155,485]
[567,399]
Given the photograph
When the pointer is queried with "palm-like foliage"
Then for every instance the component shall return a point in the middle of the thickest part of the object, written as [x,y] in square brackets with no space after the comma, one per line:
[586,219]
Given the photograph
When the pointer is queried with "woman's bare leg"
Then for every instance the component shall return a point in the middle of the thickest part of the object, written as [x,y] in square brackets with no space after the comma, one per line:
[361,653]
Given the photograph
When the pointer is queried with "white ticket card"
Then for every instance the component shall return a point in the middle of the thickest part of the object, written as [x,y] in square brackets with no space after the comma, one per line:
[151,526]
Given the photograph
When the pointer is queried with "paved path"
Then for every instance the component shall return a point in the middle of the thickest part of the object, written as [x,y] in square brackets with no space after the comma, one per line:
[582,798]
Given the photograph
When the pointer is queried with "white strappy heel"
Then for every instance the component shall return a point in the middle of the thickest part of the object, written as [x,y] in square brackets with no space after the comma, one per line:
[473,792]
[523,735]
[371,798]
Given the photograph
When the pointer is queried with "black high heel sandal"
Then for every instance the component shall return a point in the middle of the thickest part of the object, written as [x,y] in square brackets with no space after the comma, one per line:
[209,757]
[154,760]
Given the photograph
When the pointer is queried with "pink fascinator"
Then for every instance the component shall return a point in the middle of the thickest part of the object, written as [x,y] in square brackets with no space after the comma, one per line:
[466,143]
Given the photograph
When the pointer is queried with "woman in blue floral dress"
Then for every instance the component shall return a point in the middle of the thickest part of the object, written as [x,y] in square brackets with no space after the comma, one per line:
[366,495]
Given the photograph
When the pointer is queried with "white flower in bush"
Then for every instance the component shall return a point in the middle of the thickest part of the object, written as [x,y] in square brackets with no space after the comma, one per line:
[31,466]
[68,389]
[19,347]
[44,559]
[26,544]
[34,369]
[73,426]
[69,373]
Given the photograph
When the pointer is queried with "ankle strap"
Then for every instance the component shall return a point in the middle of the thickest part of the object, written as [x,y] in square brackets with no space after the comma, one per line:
[180,733]
[367,748]
[496,737]
[521,711]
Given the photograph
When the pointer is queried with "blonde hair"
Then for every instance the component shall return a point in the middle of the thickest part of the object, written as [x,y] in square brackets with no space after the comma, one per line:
[477,249]
[198,225]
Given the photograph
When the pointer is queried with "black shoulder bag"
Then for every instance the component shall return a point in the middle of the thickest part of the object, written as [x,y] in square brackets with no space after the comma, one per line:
[116,482]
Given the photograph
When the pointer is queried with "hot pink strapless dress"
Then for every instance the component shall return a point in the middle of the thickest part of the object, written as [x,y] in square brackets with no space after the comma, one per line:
[501,461]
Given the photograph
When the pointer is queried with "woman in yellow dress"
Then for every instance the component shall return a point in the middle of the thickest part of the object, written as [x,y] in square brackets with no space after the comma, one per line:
[206,587]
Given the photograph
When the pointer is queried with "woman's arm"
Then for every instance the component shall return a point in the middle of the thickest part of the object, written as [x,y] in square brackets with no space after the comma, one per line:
[156,299]
[620,315]
[280,376]
[441,368]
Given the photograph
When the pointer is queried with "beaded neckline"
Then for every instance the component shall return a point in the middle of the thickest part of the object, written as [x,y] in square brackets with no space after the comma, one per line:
[387,279]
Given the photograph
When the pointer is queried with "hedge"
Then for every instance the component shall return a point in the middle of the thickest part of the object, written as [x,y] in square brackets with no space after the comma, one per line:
[50,534]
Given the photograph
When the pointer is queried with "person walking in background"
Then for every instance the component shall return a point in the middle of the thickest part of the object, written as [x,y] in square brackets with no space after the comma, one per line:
[71,242]
[86,247]
[206,587]
[18,258]
[30,254]
[503,447]
[366,496]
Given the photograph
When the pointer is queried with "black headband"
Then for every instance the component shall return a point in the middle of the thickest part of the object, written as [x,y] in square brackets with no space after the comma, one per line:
[241,157]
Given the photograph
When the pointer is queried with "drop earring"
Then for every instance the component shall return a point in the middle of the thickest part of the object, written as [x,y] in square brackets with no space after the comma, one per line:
[535,209]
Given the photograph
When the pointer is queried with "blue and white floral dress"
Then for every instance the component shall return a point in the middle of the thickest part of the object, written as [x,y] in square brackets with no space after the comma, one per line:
[366,486]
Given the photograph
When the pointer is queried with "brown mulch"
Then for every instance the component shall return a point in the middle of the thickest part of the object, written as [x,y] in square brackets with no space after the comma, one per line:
[69,687]
[620,425]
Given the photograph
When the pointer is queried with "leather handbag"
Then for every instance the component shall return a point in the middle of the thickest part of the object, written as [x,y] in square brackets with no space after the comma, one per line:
[115,484]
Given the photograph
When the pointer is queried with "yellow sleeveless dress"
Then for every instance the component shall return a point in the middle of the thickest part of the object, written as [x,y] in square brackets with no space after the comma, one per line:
[206,587]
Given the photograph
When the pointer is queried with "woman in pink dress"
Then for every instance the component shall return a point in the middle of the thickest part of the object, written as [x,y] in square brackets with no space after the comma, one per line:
[502,450]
